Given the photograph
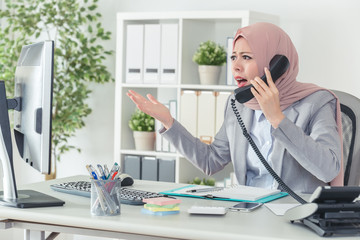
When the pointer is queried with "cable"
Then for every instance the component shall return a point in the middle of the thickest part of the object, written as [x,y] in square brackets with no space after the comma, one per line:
[261,157]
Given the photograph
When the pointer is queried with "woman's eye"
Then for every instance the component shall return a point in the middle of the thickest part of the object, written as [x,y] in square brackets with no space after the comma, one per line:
[233,58]
[246,57]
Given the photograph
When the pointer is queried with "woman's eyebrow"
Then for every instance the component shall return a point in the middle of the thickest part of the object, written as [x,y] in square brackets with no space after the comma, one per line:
[243,52]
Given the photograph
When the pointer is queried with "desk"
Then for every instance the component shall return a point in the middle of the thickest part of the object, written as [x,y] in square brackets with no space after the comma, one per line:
[75,218]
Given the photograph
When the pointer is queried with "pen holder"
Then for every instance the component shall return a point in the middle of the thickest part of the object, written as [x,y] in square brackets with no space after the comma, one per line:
[105,197]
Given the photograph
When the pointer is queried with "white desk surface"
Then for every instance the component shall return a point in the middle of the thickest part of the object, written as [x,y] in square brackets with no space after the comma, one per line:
[260,224]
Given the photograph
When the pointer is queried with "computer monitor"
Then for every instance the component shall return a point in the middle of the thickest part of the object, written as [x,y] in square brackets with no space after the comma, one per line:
[32,106]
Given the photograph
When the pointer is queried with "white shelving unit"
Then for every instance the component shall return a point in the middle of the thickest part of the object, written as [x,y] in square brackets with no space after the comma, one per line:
[194,27]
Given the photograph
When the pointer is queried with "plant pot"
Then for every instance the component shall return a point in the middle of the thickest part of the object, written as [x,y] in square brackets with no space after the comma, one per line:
[144,140]
[209,75]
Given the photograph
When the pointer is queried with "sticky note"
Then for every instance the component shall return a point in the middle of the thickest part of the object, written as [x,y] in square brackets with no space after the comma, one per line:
[161,201]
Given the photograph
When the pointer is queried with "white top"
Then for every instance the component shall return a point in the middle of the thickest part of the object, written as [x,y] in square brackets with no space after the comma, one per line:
[260,132]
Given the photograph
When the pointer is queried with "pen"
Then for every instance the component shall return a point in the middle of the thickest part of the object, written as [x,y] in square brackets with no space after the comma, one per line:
[205,189]
[113,169]
[91,171]
[114,175]
[106,171]
[102,173]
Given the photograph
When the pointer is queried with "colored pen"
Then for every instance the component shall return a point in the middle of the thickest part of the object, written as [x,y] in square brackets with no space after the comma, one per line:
[102,173]
[113,169]
[205,189]
[106,171]
[94,172]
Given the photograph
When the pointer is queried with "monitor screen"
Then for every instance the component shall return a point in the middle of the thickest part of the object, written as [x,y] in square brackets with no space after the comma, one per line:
[33,85]
[32,106]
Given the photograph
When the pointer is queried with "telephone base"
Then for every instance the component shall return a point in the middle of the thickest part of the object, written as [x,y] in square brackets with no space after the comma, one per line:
[343,224]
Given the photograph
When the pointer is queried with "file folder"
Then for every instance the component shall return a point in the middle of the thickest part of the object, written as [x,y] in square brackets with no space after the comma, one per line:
[132,166]
[149,168]
[188,110]
[169,53]
[229,77]
[166,170]
[206,116]
[182,192]
[158,139]
[152,48]
[165,143]
[221,98]
[134,53]
[173,112]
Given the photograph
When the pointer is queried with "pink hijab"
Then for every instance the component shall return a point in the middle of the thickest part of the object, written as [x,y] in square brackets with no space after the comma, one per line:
[266,40]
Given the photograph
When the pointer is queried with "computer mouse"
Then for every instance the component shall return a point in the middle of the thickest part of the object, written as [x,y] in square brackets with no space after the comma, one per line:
[126,179]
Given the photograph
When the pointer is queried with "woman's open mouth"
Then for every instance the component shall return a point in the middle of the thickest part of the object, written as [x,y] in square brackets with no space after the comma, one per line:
[241,82]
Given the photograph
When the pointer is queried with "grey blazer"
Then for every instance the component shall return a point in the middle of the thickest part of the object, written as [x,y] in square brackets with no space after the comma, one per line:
[306,148]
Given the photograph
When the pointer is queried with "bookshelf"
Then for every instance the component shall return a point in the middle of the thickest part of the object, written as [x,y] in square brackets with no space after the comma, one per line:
[193,27]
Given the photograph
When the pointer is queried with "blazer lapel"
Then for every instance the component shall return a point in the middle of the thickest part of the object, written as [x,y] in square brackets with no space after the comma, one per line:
[278,149]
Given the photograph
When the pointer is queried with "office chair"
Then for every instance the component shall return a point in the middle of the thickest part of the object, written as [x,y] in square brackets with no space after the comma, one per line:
[350,118]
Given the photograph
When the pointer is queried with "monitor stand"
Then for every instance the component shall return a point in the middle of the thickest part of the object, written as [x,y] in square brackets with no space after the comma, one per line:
[30,199]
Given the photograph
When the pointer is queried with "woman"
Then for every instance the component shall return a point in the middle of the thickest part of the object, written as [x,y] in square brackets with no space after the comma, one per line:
[296,126]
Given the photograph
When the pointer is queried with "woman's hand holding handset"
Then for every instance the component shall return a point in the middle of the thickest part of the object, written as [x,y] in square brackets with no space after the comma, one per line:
[268,99]
[152,107]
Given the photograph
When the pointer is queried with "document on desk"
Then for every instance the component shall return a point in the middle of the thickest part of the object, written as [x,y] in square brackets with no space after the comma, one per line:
[233,193]
[280,209]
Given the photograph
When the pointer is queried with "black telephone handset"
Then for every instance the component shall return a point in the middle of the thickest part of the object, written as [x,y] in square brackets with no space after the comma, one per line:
[278,66]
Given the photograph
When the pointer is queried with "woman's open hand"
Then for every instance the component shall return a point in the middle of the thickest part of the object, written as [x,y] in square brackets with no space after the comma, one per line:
[152,107]
[268,99]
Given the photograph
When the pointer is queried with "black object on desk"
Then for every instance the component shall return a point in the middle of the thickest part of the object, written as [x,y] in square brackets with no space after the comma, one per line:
[332,210]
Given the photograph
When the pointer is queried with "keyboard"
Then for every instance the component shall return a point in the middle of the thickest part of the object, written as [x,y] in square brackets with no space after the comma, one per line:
[83,188]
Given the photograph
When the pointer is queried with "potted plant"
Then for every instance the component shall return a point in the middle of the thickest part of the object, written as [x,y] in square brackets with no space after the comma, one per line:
[143,127]
[210,57]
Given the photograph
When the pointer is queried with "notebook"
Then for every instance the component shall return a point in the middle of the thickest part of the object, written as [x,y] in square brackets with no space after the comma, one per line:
[232,193]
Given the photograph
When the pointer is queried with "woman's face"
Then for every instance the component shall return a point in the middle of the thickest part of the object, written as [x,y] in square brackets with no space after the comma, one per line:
[244,67]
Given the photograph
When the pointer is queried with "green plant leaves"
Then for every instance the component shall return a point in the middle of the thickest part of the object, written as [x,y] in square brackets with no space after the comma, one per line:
[204,181]
[142,122]
[75,27]
[210,53]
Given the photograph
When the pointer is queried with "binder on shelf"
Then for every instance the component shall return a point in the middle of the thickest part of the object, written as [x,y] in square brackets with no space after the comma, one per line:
[173,112]
[134,53]
[169,53]
[158,139]
[221,98]
[166,170]
[189,110]
[132,166]
[152,48]
[229,77]
[206,116]
[149,168]
[165,143]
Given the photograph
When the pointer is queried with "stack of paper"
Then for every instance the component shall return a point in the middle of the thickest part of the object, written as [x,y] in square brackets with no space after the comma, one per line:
[161,206]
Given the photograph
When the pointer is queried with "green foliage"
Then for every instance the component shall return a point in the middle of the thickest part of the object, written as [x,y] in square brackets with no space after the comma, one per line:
[210,53]
[208,182]
[142,122]
[75,27]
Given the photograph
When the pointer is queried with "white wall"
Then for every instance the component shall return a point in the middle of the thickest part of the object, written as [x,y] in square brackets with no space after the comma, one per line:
[325,32]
